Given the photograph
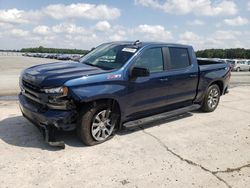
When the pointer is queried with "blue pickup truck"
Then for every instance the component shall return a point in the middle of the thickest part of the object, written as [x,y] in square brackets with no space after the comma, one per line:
[117,84]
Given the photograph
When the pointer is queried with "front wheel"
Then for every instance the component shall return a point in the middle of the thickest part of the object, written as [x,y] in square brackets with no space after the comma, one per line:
[211,99]
[95,124]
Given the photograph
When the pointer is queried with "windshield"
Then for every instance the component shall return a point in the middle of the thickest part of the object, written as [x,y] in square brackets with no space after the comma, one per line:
[109,56]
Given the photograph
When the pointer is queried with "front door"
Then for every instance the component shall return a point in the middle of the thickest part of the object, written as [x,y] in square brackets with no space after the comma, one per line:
[147,93]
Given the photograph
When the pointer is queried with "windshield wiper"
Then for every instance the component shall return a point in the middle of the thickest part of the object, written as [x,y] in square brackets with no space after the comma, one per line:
[87,63]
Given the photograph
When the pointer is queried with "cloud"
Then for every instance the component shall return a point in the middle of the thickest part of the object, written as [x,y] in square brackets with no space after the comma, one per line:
[238,21]
[60,11]
[15,16]
[225,35]
[154,32]
[218,39]
[195,22]
[103,26]
[4,26]
[18,33]
[188,35]
[119,33]
[197,7]
[248,6]
[42,30]
[191,38]
[68,28]
[82,10]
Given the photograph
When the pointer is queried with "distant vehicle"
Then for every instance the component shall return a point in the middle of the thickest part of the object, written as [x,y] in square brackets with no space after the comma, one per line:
[117,84]
[239,65]
[63,57]
[44,55]
[50,56]
[75,57]
[248,63]
[37,55]
[228,61]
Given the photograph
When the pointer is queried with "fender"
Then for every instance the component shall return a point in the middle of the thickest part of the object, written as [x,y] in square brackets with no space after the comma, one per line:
[105,86]
[207,78]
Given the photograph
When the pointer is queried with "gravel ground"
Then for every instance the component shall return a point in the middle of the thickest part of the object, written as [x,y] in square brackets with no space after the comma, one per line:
[192,150]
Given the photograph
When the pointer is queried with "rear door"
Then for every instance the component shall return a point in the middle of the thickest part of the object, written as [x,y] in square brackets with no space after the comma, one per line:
[182,75]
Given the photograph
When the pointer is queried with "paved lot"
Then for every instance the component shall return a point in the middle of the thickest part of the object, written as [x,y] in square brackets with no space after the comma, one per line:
[192,150]
[11,67]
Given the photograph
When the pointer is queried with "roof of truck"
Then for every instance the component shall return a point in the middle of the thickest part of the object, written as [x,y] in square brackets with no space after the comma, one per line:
[142,44]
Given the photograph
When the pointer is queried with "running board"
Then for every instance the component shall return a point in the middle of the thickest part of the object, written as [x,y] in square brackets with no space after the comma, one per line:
[161,116]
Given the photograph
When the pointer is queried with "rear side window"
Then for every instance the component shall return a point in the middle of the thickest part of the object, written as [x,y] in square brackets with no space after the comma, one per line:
[179,58]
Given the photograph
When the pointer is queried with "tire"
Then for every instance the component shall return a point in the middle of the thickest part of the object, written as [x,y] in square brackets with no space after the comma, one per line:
[238,69]
[211,99]
[87,125]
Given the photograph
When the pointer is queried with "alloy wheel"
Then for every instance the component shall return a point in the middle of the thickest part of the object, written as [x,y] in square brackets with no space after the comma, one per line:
[213,98]
[102,126]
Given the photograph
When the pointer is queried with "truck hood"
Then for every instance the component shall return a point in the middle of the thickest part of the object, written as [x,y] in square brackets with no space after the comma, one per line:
[56,74]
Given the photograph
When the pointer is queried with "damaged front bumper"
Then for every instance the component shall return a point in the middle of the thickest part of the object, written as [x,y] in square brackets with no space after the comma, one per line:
[48,120]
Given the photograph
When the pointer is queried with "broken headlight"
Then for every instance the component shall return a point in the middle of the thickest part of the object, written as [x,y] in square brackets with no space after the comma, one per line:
[57,90]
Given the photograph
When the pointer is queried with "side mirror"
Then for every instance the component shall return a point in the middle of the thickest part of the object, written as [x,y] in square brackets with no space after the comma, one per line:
[139,72]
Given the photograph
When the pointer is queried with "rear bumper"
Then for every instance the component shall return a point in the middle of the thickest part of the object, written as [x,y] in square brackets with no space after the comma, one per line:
[60,119]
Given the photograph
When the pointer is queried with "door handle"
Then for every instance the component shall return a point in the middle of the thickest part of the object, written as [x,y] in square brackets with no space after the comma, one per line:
[163,79]
[192,75]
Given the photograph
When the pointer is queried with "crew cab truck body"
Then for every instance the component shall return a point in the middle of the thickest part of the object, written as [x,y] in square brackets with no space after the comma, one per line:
[116,84]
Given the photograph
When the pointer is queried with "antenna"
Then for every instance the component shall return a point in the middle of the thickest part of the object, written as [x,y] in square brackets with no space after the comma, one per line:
[137,42]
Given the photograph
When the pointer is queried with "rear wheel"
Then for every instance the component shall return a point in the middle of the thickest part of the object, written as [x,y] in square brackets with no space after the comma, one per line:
[95,125]
[211,99]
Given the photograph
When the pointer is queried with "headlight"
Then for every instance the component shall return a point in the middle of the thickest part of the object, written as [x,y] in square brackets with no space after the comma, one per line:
[57,90]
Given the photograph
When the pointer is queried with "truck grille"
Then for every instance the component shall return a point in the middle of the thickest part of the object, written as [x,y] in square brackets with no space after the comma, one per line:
[31,86]
[38,106]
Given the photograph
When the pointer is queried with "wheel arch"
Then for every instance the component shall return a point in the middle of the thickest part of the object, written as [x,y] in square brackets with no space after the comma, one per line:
[220,84]
[113,103]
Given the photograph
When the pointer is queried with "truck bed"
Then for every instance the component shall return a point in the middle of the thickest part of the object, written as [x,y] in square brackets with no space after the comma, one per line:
[207,65]
[208,62]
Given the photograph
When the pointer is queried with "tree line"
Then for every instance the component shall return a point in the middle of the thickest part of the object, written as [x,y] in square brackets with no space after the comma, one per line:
[53,50]
[233,53]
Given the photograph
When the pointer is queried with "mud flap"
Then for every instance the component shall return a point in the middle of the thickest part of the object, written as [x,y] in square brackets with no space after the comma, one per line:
[115,119]
[49,137]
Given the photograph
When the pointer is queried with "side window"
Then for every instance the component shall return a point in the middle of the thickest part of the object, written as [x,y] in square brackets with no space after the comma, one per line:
[151,59]
[179,58]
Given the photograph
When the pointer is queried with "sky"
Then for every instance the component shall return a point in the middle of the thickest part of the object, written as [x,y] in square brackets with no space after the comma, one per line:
[86,24]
